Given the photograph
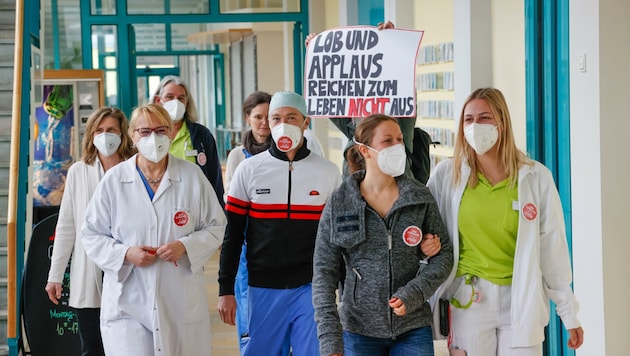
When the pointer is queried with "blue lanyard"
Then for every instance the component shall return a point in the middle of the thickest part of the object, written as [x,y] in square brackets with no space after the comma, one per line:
[146,184]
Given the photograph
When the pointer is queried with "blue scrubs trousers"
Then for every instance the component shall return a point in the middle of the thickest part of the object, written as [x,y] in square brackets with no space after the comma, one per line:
[278,317]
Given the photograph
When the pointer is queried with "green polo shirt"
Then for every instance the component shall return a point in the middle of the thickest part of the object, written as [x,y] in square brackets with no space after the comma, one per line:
[182,143]
[488,225]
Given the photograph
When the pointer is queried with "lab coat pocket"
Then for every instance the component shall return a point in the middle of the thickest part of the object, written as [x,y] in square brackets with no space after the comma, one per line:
[196,299]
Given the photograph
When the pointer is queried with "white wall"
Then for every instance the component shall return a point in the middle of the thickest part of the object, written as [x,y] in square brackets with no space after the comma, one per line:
[600,172]
[320,13]
[435,18]
[473,48]
[272,62]
[508,61]
[490,51]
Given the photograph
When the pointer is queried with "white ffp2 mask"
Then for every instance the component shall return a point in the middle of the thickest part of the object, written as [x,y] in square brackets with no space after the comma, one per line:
[176,109]
[107,143]
[391,160]
[286,136]
[154,147]
[481,137]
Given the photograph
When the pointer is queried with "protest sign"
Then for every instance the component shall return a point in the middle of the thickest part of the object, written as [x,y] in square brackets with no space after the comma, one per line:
[359,71]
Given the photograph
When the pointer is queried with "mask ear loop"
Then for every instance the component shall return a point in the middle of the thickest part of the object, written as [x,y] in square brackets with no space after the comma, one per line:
[307,126]
[363,144]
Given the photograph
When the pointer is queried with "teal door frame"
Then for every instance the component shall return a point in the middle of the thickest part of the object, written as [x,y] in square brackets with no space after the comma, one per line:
[124,22]
[29,40]
[151,72]
[548,117]
[134,54]
[219,84]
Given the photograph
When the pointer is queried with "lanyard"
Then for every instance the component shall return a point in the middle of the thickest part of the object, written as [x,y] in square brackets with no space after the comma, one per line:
[474,293]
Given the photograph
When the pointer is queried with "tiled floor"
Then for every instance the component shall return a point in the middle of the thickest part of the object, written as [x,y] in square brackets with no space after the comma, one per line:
[224,341]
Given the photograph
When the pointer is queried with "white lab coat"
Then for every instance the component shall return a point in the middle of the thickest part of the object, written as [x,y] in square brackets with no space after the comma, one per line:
[312,142]
[169,300]
[86,279]
[542,269]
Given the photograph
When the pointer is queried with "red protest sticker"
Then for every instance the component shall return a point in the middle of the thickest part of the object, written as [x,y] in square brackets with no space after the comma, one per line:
[202,159]
[180,218]
[412,236]
[529,211]
[285,143]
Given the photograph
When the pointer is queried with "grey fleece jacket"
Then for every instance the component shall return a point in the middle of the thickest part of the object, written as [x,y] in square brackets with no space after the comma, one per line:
[379,264]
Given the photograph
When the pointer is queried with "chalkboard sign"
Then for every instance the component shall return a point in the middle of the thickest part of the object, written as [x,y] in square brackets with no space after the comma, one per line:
[51,329]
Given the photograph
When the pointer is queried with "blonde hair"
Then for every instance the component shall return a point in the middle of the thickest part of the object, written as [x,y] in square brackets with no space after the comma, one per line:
[511,157]
[125,150]
[150,109]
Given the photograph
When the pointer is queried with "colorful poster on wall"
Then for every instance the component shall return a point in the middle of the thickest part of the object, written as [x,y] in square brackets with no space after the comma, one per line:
[53,151]
[359,71]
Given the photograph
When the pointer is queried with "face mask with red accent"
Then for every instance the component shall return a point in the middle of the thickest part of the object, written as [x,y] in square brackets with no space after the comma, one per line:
[286,136]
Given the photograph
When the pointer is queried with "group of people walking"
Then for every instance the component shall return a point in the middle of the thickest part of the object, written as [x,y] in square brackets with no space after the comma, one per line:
[374,264]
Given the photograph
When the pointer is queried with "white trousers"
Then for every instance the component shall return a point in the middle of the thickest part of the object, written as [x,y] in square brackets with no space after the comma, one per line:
[484,328]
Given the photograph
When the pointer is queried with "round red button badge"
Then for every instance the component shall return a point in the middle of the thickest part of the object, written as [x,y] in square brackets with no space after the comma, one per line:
[284,143]
[530,212]
[180,218]
[412,236]
[202,159]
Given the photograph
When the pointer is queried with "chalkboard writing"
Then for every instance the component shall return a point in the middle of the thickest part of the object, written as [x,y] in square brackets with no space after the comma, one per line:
[51,329]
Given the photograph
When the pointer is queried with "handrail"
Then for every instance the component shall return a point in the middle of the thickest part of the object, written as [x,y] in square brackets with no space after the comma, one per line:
[12,278]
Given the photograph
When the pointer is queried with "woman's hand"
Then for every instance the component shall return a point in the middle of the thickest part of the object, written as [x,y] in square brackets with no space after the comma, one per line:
[141,256]
[385,25]
[576,338]
[380,26]
[430,245]
[53,290]
[171,251]
[309,38]
[398,306]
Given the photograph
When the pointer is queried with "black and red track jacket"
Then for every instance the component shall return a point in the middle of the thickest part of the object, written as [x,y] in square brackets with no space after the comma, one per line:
[275,204]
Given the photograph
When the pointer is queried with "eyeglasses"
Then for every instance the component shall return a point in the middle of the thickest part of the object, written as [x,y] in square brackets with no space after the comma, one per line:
[146,131]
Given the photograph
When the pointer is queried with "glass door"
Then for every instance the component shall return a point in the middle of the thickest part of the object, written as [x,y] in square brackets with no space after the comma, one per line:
[148,77]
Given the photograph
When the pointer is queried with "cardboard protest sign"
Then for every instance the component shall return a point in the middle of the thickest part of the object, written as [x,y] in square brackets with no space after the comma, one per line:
[359,71]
